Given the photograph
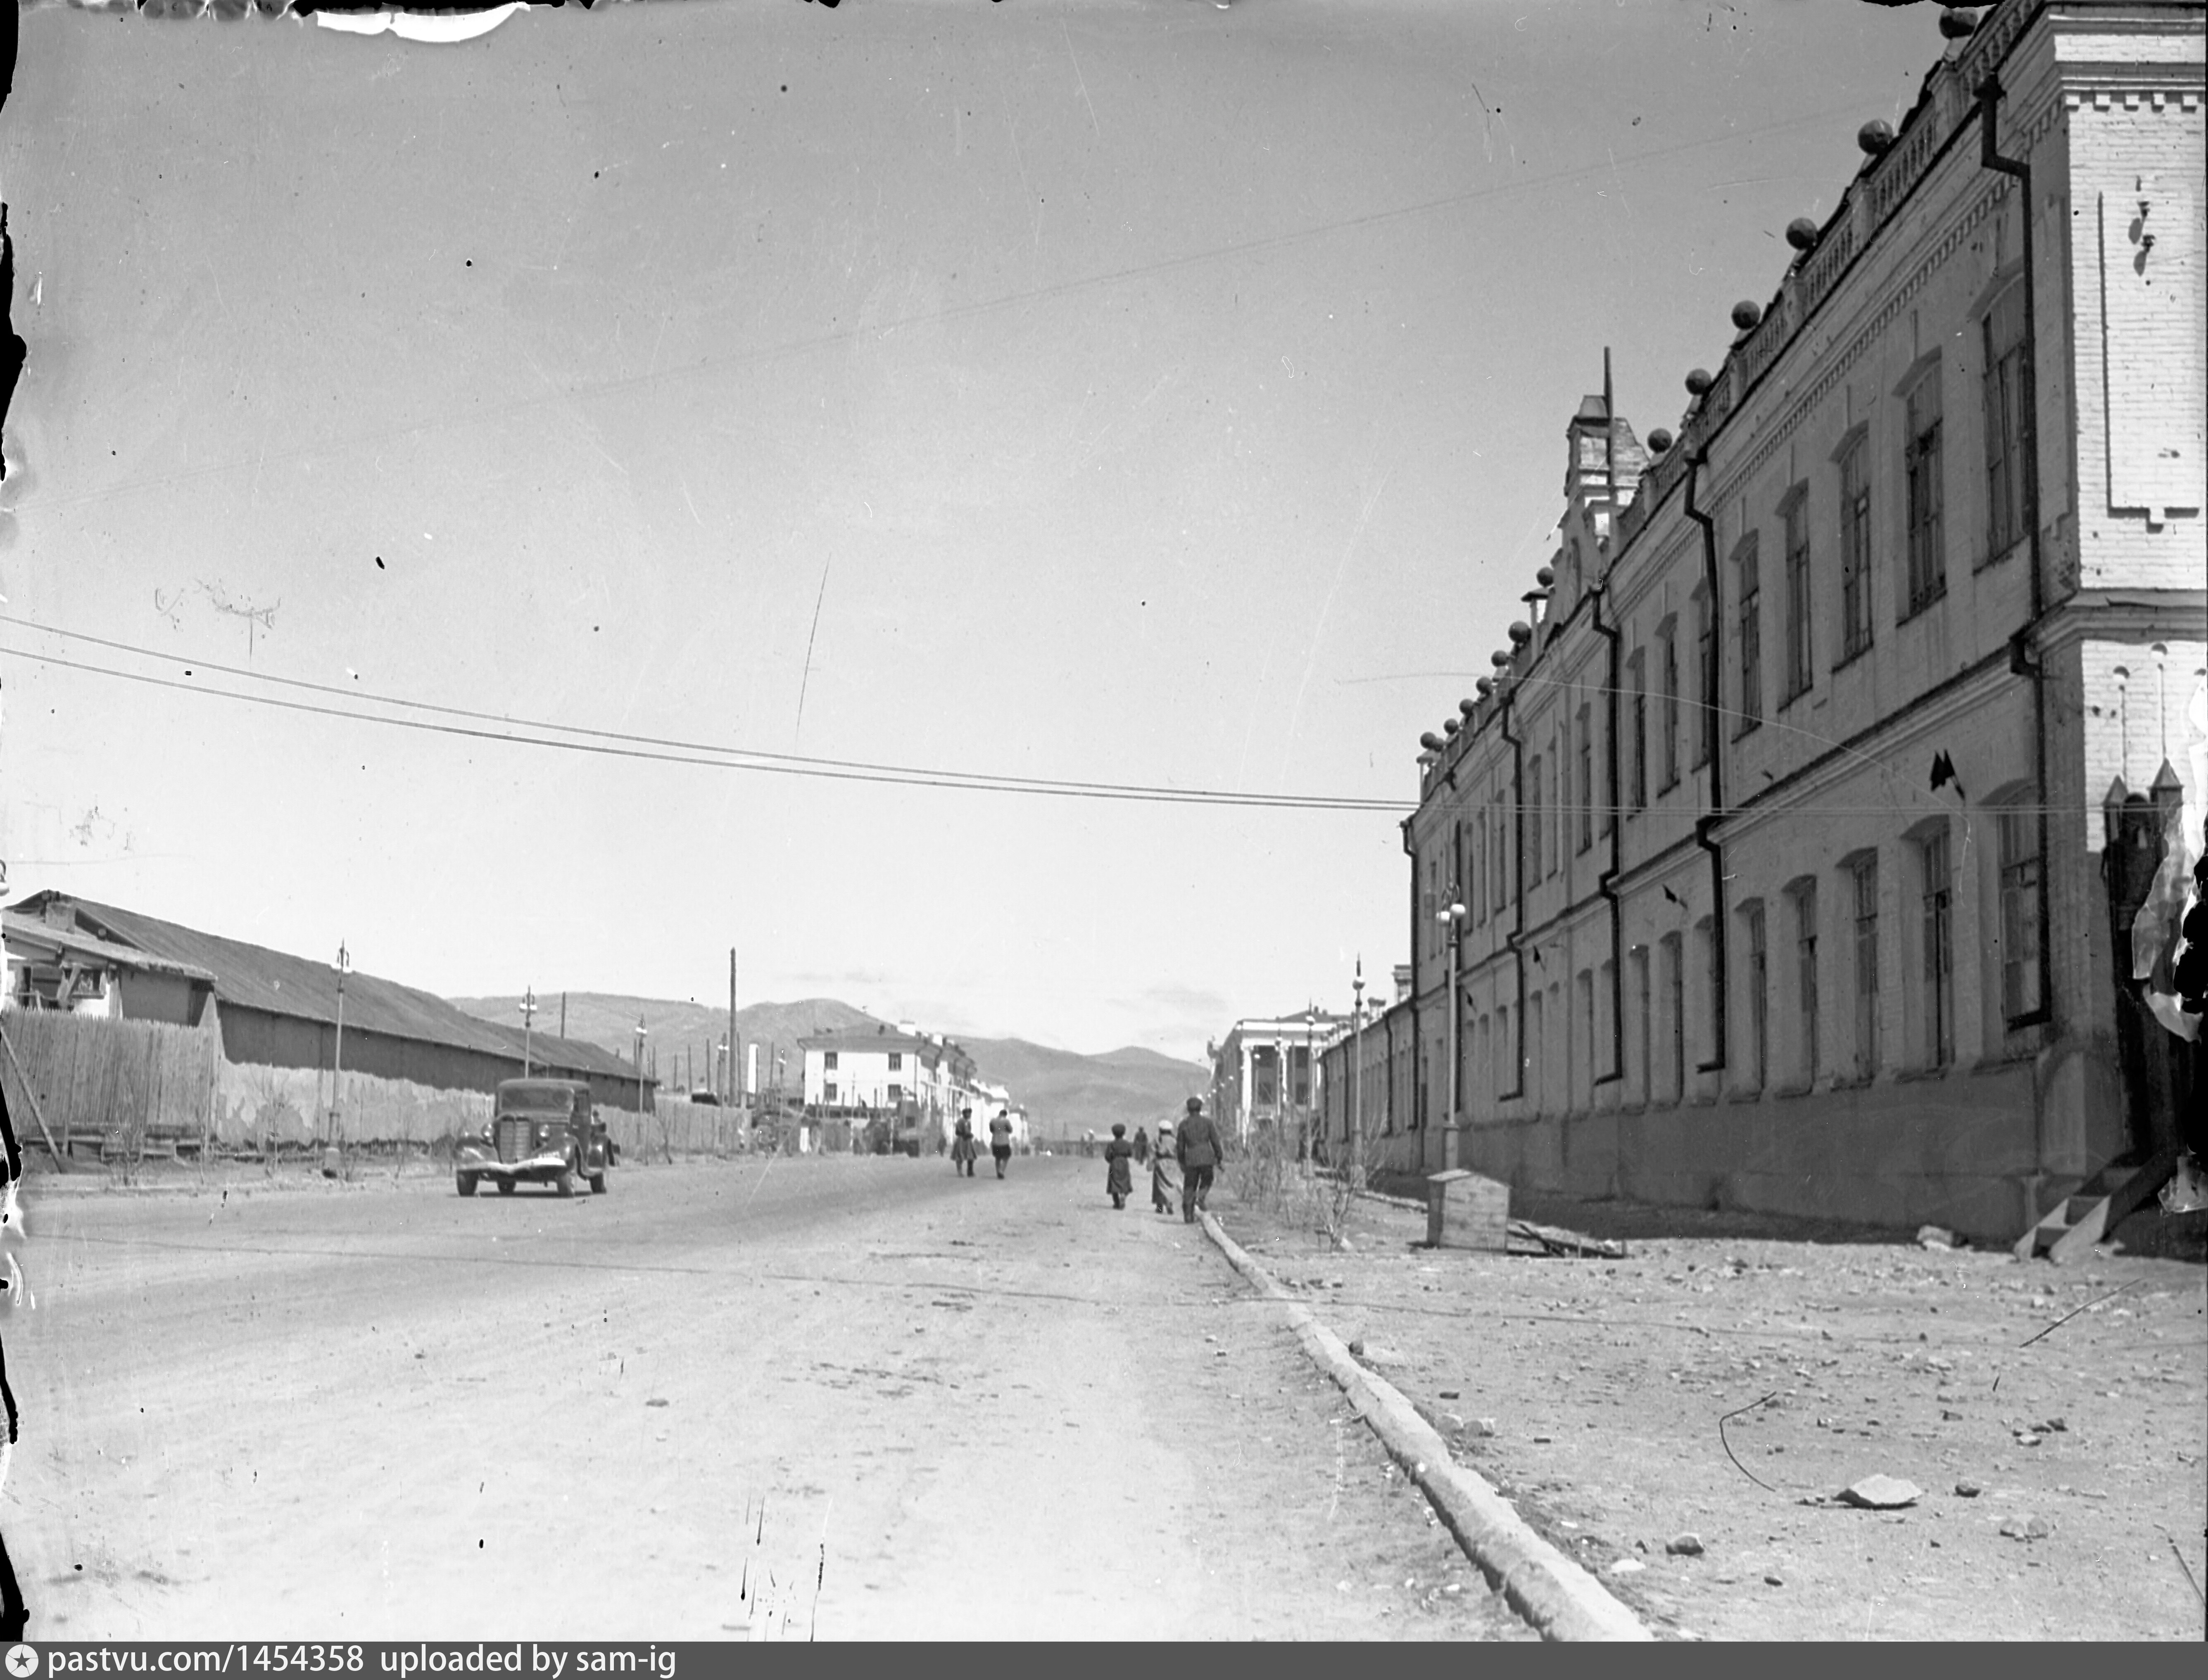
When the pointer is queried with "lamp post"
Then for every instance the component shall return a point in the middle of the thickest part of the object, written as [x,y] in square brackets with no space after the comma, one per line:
[1311,1082]
[641,1035]
[1454,918]
[528,1028]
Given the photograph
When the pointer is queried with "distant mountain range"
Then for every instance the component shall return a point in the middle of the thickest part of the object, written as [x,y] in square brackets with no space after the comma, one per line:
[1065,1093]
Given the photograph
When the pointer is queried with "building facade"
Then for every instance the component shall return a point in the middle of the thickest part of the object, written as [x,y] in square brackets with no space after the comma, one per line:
[861,1073]
[1266,1073]
[1768,869]
[271,1009]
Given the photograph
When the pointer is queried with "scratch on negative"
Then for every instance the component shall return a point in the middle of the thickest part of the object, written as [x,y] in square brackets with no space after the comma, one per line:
[1080,79]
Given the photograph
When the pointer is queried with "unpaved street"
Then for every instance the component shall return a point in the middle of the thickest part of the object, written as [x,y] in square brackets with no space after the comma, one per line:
[2052,1417]
[967,1408]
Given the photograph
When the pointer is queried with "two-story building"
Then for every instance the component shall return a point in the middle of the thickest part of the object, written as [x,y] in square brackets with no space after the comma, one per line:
[859,1074]
[1767,870]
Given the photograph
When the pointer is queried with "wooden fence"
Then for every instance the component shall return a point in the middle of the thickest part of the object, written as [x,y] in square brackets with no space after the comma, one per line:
[113,1085]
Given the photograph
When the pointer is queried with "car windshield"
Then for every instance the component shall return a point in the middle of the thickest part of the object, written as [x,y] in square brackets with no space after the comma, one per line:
[536,1102]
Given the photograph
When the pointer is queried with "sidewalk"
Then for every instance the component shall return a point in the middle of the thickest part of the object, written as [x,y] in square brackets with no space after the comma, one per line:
[1604,1382]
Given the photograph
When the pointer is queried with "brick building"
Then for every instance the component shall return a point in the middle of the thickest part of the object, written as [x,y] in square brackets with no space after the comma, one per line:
[1768,869]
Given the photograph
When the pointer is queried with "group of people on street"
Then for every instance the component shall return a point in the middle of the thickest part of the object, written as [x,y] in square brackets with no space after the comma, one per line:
[1181,1165]
[965,1147]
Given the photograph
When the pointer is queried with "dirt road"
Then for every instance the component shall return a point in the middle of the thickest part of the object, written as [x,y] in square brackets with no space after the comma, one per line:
[958,1408]
[2053,1418]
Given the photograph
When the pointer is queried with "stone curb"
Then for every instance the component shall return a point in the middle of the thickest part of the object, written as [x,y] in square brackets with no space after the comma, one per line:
[1555,1596]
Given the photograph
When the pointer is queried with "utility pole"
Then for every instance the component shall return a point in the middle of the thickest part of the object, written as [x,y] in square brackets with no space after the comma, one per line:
[563,1015]
[528,1024]
[639,1064]
[1454,918]
[732,1026]
[1357,1073]
[337,1054]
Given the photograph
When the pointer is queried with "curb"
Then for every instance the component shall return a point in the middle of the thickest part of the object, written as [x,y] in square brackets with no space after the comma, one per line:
[1555,1596]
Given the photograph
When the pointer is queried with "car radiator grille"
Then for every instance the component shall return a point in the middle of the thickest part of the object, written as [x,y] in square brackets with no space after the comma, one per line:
[517,1140]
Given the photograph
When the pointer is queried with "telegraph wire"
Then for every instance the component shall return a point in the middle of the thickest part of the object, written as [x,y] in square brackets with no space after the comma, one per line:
[728,758]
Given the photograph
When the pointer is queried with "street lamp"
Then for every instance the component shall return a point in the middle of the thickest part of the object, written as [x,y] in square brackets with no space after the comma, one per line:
[528,1027]
[1454,918]
[641,1031]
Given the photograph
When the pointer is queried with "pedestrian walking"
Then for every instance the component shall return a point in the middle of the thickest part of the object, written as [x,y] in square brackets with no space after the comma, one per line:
[1165,1172]
[1118,1177]
[1000,1141]
[1142,1147]
[963,1147]
[1198,1149]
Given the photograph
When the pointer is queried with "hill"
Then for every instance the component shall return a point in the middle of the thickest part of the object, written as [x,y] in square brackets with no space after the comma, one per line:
[680,1035]
[1065,1093]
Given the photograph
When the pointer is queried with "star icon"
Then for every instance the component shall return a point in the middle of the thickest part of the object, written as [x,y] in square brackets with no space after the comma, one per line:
[23,1661]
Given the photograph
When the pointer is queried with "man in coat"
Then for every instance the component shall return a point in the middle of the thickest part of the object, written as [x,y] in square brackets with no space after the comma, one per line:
[1198,1149]
[1000,1141]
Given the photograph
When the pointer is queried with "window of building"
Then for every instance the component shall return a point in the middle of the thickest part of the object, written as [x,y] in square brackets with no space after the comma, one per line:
[2005,423]
[1668,646]
[828,1093]
[1556,791]
[1920,466]
[1747,573]
[1583,1065]
[1805,974]
[1674,995]
[1498,870]
[1478,884]
[1587,780]
[1862,875]
[1939,939]
[1705,638]
[1800,608]
[1534,813]
[1855,550]
[896,1062]
[1758,997]
[2019,915]
[897,1095]
[1637,763]
[1645,1041]
[828,1060]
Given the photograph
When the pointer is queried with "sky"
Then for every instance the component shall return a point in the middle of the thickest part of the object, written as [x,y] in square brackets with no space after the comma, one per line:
[1138,392]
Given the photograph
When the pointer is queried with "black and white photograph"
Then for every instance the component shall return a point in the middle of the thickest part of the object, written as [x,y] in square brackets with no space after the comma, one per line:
[1099,821]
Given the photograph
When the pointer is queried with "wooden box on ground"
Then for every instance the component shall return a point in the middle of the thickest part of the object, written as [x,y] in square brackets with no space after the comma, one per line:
[1465,1211]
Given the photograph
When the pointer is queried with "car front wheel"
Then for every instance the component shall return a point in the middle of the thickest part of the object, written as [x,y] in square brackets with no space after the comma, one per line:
[466,1184]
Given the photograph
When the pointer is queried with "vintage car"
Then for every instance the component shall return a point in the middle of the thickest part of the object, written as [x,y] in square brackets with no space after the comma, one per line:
[542,1132]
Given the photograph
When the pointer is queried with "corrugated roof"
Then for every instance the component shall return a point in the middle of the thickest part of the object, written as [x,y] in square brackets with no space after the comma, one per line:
[548,1051]
[252,977]
[31,932]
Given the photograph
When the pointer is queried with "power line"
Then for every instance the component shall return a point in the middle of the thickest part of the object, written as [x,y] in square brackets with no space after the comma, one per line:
[613,744]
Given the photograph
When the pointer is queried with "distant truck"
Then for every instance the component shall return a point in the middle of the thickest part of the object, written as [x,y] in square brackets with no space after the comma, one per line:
[542,1132]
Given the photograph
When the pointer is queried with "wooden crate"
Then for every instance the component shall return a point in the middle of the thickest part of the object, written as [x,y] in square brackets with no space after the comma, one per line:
[1465,1211]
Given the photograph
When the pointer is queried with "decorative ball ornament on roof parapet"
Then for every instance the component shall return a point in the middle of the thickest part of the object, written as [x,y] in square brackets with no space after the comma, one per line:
[1486,686]
[1520,632]
[1466,708]
[1875,137]
[1699,381]
[1659,441]
[1802,234]
[1450,725]
[1956,24]
[1745,315]
[1498,658]
[1432,742]
[1546,577]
